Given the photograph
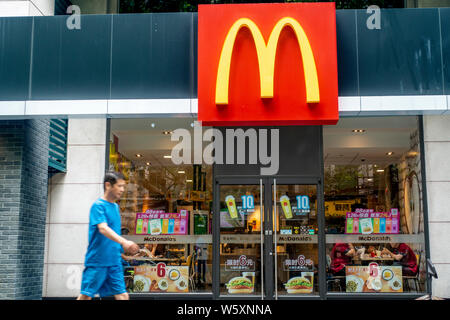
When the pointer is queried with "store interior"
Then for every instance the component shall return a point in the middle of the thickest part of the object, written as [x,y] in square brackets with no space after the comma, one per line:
[370,163]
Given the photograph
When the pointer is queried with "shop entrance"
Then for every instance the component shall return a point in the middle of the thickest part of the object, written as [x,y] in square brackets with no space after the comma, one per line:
[266,227]
[267,243]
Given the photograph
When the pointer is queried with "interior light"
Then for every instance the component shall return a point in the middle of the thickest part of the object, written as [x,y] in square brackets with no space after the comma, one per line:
[167,132]
[380,170]
[148,163]
[138,155]
[390,153]
[167,157]
[152,125]
[181,172]
[188,180]
[358,130]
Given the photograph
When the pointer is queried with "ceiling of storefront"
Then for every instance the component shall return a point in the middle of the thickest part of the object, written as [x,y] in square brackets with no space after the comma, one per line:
[341,145]
[382,135]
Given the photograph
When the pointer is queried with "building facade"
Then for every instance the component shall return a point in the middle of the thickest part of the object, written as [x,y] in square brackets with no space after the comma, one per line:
[110,95]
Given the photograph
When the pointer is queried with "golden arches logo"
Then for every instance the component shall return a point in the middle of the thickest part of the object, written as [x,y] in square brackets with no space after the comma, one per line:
[266,59]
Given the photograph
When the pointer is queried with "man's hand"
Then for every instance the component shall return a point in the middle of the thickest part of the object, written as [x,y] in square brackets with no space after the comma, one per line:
[130,247]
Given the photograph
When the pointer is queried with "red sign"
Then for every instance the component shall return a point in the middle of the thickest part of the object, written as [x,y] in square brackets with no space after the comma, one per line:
[267,64]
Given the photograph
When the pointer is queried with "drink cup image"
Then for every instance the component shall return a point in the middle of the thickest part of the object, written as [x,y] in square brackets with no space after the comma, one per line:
[251,276]
[231,204]
[286,206]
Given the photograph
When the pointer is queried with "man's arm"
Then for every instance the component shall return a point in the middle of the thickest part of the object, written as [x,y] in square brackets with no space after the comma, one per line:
[128,246]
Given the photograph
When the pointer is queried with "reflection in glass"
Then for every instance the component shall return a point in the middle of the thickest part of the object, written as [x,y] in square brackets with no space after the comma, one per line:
[240,240]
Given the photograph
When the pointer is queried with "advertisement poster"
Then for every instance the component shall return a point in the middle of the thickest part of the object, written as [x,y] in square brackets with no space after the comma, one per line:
[302,284]
[247,207]
[299,263]
[366,221]
[301,208]
[240,263]
[161,278]
[156,222]
[373,278]
[246,282]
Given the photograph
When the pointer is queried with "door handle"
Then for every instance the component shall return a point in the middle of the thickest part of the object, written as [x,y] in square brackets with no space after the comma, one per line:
[268,232]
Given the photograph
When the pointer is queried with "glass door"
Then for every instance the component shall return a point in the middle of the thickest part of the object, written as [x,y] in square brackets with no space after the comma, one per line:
[241,253]
[266,238]
[295,241]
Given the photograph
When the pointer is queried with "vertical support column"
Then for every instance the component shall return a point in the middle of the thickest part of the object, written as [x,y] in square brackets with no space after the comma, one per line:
[437,152]
[71,195]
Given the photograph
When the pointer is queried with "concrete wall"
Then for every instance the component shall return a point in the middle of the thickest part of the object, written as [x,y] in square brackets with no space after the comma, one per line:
[437,154]
[15,8]
[23,203]
[70,198]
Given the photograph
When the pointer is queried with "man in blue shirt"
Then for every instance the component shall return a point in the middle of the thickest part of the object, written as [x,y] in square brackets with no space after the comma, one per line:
[103,273]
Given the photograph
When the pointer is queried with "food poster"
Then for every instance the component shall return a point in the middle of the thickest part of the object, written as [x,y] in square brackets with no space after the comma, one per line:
[247,205]
[161,278]
[302,284]
[373,278]
[301,206]
[299,265]
[245,283]
[156,222]
[366,221]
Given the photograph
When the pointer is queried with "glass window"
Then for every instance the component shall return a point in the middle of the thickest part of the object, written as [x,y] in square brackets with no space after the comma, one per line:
[373,206]
[166,207]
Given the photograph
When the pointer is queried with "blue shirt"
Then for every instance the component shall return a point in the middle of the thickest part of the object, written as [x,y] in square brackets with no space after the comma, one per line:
[103,252]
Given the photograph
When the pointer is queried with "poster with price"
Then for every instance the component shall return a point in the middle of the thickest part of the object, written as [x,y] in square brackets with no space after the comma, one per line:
[300,208]
[366,221]
[154,222]
[161,278]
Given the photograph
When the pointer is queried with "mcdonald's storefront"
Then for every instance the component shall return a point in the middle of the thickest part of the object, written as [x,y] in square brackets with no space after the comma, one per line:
[271,151]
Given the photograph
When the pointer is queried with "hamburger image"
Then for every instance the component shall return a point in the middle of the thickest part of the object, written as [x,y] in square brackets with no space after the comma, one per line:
[240,285]
[299,285]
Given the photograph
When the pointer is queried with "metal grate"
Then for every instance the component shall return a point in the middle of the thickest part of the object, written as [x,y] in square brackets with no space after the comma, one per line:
[57,154]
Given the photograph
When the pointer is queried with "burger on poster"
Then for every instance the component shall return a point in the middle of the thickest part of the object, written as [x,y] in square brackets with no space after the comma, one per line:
[240,285]
[299,285]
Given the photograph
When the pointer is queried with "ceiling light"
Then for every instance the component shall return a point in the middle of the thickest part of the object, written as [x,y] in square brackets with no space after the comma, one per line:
[148,163]
[152,124]
[138,155]
[390,153]
[181,172]
[188,180]
[167,132]
[370,179]
[358,130]
[380,170]
[167,157]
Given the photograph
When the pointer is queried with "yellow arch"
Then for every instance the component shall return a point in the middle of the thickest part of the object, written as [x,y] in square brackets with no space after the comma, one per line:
[266,59]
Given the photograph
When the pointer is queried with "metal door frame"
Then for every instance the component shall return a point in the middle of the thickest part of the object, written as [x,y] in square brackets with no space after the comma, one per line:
[267,259]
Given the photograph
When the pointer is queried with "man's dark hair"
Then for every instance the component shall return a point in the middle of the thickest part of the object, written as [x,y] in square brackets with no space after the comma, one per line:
[112,177]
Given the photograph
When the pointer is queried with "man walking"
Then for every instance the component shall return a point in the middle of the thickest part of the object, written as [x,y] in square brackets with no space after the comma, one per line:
[103,273]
